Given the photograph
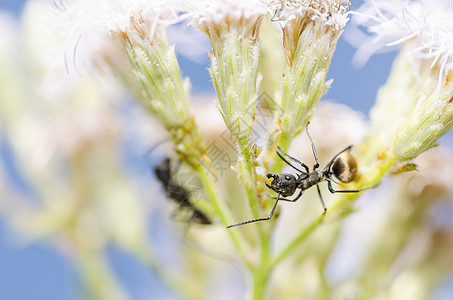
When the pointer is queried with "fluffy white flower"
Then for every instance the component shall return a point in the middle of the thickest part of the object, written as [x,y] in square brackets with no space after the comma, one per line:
[215,18]
[232,27]
[217,11]
[90,22]
[418,94]
[310,30]
[115,14]
[427,24]
[329,12]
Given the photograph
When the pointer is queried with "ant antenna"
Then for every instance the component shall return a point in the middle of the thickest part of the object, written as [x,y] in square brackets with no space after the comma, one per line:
[313,148]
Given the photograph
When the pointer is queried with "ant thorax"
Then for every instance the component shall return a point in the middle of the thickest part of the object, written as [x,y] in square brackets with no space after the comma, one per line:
[307,181]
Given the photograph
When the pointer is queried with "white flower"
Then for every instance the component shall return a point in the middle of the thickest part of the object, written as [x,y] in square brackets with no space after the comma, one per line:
[92,21]
[115,14]
[310,30]
[427,24]
[140,56]
[233,30]
[224,13]
[331,13]
[414,108]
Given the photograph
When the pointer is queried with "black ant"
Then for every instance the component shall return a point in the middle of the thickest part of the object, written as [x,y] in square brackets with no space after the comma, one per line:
[178,193]
[181,195]
[343,166]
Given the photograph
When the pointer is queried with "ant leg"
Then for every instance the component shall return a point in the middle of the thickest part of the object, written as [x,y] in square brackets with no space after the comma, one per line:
[333,191]
[283,199]
[312,148]
[260,219]
[320,197]
[292,159]
[292,200]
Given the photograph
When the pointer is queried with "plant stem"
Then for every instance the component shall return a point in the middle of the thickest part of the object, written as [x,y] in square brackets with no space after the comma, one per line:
[221,210]
[260,279]
[248,176]
[284,143]
[248,179]
[261,272]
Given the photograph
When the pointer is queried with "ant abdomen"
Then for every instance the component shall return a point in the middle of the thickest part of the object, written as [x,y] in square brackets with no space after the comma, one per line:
[345,167]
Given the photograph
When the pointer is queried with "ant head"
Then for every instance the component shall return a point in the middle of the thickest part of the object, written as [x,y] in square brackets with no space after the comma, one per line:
[283,183]
[345,167]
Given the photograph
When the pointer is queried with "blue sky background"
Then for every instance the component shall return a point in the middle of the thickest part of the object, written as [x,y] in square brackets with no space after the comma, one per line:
[37,271]
[33,271]
[13,6]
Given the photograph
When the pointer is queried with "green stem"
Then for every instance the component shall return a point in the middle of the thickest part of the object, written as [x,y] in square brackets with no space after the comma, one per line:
[248,179]
[284,143]
[250,185]
[261,273]
[260,279]
[221,210]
